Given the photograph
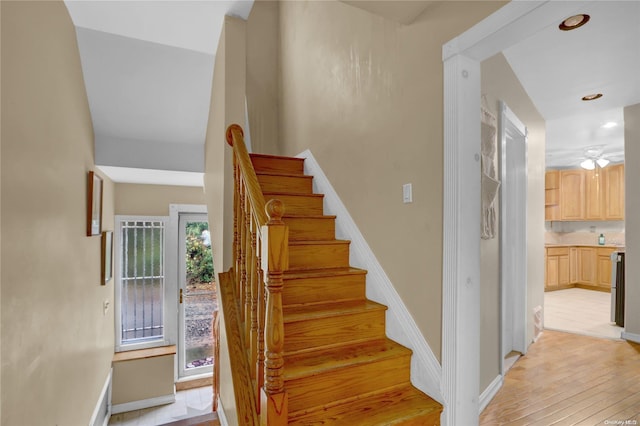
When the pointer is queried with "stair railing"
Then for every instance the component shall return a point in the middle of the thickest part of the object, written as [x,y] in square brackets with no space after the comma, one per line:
[260,250]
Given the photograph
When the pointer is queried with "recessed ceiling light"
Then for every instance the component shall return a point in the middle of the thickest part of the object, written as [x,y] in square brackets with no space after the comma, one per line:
[592,97]
[609,124]
[573,22]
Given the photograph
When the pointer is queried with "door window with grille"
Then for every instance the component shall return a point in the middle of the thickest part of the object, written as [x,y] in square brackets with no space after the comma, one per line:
[140,284]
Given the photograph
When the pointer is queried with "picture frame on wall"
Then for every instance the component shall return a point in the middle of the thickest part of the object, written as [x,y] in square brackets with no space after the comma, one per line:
[94,208]
[107,257]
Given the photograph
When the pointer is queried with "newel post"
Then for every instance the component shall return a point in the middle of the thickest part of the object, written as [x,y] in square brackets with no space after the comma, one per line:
[275,260]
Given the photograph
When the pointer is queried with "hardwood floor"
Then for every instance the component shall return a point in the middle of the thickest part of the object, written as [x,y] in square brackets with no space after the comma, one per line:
[568,379]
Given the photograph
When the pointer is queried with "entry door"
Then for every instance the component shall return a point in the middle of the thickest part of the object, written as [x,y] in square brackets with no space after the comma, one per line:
[513,216]
[197,296]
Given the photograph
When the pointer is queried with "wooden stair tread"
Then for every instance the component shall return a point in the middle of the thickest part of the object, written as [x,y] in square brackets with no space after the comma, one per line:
[316,242]
[404,405]
[282,174]
[275,157]
[317,362]
[295,313]
[308,216]
[323,272]
[291,194]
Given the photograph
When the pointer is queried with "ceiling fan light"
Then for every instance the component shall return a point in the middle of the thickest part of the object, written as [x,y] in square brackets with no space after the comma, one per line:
[588,164]
[602,162]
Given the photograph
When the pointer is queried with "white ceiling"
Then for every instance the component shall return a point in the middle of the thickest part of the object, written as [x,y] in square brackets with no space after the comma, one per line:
[148,69]
[557,68]
[402,11]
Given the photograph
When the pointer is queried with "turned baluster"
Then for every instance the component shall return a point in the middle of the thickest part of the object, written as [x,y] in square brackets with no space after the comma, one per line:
[237,198]
[242,273]
[262,300]
[253,334]
[248,265]
[275,260]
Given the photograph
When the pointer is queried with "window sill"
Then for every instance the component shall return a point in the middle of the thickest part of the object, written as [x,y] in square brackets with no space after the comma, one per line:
[144,353]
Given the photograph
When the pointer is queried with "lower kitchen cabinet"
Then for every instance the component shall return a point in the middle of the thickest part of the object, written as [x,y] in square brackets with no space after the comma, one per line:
[567,266]
[604,267]
[587,265]
[557,268]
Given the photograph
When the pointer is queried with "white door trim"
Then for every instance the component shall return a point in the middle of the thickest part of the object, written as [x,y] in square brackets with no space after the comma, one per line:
[461,233]
[171,267]
[513,235]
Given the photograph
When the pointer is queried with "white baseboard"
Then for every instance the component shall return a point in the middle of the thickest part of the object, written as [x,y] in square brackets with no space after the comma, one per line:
[490,392]
[105,393]
[221,416]
[144,403]
[631,336]
[426,371]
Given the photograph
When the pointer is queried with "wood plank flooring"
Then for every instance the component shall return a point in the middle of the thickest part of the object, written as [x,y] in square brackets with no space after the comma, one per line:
[568,379]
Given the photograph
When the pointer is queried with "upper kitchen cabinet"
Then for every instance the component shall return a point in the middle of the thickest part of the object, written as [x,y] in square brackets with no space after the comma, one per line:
[593,199]
[552,195]
[614,192]
[587,195]
[572,195]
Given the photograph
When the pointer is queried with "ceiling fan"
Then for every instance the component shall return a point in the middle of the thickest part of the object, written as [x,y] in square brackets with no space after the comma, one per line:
[593,157]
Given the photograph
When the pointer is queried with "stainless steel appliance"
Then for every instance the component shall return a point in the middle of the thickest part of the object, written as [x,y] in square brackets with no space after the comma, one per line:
[617,288]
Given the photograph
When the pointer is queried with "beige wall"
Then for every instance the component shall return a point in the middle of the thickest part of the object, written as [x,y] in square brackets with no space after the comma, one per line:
[632,219]
[57,344]
[0,226]
[150,377]
[262,73]
[153,200]
[142,379]
[365,95]
[500,83]
[227,107]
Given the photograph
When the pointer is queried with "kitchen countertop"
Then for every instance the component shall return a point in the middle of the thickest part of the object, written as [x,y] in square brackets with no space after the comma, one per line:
[618,247]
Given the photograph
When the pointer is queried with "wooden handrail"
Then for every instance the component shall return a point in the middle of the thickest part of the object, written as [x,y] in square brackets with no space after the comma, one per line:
[260,250]
[235,138]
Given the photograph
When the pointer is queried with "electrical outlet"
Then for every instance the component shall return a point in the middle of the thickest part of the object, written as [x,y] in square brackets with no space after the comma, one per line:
[105,307]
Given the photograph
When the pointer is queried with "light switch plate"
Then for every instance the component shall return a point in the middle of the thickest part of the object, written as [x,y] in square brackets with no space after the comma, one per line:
[407,193]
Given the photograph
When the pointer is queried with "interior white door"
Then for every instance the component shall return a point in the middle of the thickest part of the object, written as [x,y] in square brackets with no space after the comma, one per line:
[513,231]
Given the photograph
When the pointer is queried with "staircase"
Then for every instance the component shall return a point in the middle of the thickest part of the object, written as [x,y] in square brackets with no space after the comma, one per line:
[339,367]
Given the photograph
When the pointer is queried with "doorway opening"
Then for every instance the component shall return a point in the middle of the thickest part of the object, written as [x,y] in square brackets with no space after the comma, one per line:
[513,232]
[197,296]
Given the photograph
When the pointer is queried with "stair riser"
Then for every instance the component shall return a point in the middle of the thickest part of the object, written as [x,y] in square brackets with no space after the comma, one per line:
[318,332]
[323,289]
[303,228]
[291,184]
[432,419]
[299,205]
[346,382]
[278,165]
[318,256]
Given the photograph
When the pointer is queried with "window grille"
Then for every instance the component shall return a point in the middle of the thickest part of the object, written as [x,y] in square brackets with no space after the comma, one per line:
[142,280]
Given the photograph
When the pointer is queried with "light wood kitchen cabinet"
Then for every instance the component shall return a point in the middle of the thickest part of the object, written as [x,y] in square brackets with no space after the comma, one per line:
[614,192]
[572,195]
[570,266]
[604,267]
[552,195]
[557,268]
[587,265]
[573,265]
[585,195]
[593,199]
[551,273]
